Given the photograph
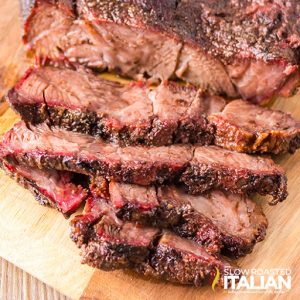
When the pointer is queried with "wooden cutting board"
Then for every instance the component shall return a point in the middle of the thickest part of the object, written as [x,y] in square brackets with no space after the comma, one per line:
[36,238]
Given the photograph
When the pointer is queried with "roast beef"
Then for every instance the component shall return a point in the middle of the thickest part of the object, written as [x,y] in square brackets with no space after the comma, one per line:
[78,100]
[108,243]
[179,260]
[245,48]
[246,127]
[113,243]
[49,187]
[213,167]
[144,206]
[200,168]
[213,220]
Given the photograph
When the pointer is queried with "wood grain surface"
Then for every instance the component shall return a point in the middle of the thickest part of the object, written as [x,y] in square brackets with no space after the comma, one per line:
[36,239]
[15,284]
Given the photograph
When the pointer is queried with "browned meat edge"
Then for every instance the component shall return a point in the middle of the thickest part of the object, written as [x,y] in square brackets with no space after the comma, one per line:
[198,175]
[202,177]
[237,55]
[168,207]
[178,217]
[245,127]
[241,126]
[192,131]
[29,185]
[40,194]
[159,133]
[103,246]
[175,214]
[197,179]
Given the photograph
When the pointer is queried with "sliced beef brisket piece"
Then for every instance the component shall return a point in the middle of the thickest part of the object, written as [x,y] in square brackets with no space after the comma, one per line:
[245,127]
[214,220]
[108,243]
[241,221]
[222,46]
[78,100]
[51,187]
[200,168]
[144,206]
[135,52]
[182,261]
[59,149]
[216,168]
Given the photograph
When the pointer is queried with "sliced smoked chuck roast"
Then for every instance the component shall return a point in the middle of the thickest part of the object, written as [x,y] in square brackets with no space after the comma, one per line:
[234,48]
[58,189]
[108,243]
[77,100]
[215,219]
[246,127]
[200,168]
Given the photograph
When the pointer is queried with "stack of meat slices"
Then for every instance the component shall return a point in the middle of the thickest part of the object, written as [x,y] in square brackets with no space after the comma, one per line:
[166,172]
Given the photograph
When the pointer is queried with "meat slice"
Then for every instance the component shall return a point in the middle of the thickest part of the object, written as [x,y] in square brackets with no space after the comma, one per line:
[130,51]
[59,149]
[220,46]
[214,220]
[245,127]
[182,261]
[78,100]
[217,168]
[51,187]
[200,168]
[241,221]
[145,206]
[108,243]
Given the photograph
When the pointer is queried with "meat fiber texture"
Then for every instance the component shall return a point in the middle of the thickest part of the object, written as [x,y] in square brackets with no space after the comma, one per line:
[245,127]
[77,100]
[216,220]
[49,187]
[234,48]
[109,243]
[199,168]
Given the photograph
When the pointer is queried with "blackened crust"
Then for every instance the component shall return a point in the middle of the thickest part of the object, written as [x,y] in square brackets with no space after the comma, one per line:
[199,178]
[171,265]
[156,260]
[158,133]
[182,220]
[139,173]
[169,209]
[199,168]
[31,186]
[233,137]
[108,256]
[192,21]
[236,247]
